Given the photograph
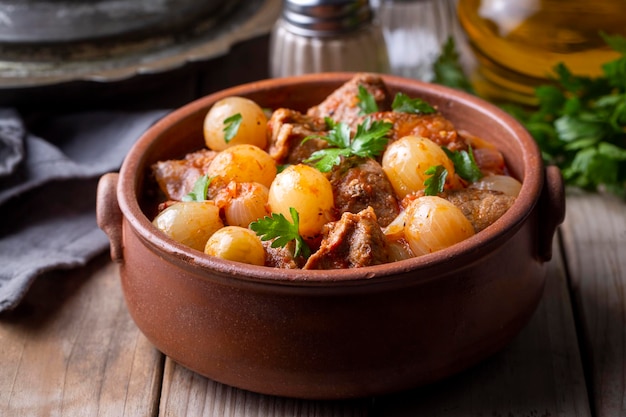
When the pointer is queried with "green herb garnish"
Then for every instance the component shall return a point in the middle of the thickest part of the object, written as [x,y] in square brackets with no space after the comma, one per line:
[401,103]
[579,123]
[405,104]
[281,167]
[434,184]
[367,102]
[279,228]
[448,70]
[369,141]
[464,164]
[199,190]
[231,126]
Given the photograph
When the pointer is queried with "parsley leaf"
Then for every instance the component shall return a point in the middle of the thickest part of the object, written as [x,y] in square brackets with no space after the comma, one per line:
[590,167]
[405,104]
[464,164]
[367,102]
[326,159]
[448,70]
[369,141]
[339,134]
[434,184]
[279,228]
[615,71]
[231,126]
[199,191]
[370,138]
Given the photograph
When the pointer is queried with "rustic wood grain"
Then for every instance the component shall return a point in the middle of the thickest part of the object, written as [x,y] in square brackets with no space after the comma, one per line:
[594,237]
[71,349]
[538,374]
[187,394]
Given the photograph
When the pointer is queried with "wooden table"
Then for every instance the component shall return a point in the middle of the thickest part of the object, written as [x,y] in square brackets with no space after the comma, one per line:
[71,348]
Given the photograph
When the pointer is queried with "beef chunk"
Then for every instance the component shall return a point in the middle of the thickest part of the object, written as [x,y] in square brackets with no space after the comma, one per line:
[177,177]
[360,183]
[354,241]
[342,104]
[432,126]
[481,207]
[279,257]
[286,130]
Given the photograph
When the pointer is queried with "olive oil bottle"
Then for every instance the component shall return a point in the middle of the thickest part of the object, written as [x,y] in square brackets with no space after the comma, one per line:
[517,43]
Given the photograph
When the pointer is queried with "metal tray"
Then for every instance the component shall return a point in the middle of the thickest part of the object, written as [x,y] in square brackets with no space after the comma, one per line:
[122,49]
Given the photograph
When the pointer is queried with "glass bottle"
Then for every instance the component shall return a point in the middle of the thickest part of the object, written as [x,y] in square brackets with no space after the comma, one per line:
[415,32]
[518,43]
[326,35]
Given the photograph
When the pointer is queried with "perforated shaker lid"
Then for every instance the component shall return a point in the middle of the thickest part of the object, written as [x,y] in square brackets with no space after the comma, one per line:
[325,17]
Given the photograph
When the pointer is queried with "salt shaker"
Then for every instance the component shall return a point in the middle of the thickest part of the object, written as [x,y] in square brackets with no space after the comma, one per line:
[326,35]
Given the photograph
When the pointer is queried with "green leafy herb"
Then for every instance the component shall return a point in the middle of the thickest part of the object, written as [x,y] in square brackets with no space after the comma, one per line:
[464,164]
[281,167]
[199,190]
[580,124]
[405,104]
[279,228]
[231,126]
[367,102]
[448,70]
[401,103]
[369,141]
[434,184]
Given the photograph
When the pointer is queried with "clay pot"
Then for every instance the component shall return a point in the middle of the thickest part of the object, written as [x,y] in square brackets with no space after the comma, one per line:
[340,333]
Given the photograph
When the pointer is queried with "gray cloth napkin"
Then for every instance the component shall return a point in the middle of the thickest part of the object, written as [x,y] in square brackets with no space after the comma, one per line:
[48,177]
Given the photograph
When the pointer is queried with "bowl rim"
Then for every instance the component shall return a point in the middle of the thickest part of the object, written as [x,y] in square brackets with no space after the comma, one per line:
[465,252]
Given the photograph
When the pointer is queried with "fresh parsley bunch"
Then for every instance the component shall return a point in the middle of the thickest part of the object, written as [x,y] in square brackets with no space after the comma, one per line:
[371,137]
[580,122]
[368,142]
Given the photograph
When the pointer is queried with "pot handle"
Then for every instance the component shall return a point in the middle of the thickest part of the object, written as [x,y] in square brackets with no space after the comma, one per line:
[108,213]
[551,211]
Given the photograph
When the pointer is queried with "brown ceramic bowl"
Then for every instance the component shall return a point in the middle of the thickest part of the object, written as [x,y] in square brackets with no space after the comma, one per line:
[339,333]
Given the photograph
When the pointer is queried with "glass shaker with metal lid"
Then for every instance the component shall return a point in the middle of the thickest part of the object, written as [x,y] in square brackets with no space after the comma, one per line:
[326,35]
[415,32]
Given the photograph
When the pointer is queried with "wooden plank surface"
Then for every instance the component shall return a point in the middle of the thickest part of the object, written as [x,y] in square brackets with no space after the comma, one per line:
[594,238]
[71,349]
[186,394]
[539,374]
